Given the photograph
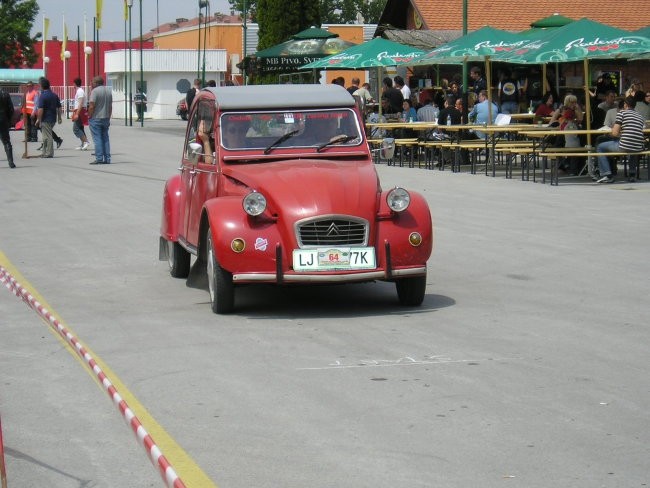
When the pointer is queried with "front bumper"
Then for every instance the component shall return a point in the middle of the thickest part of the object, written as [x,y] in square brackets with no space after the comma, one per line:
[293,277]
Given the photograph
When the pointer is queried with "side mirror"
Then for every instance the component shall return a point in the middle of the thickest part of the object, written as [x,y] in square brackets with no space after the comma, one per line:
[194,150]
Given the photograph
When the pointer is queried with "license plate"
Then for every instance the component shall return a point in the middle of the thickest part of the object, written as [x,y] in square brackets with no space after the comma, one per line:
[333,259]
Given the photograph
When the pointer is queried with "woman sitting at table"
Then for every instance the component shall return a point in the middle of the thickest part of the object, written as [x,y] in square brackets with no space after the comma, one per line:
[569,117]
[546,108]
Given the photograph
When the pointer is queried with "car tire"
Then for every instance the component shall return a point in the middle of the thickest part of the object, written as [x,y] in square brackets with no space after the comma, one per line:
[410,291]
[222,289]
[178,259]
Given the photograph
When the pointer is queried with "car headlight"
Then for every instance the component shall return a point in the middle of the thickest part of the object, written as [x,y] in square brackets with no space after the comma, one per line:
[254,203]
[398,199]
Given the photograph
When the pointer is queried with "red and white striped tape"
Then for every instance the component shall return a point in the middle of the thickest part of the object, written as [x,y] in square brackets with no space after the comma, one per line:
[153,452]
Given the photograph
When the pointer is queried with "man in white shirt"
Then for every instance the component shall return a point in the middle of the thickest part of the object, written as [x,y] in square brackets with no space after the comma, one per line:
[401,86]
[79,115]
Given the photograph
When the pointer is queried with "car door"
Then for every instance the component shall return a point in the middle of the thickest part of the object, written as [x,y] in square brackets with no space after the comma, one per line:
[203,174]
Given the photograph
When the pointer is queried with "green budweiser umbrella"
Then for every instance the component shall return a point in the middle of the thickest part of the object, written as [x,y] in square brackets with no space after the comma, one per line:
[581,40]
[375,53]
[475,46]
[304,47]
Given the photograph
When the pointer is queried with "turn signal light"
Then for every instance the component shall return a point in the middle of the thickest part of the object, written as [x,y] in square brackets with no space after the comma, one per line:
[238,245]
[415,239]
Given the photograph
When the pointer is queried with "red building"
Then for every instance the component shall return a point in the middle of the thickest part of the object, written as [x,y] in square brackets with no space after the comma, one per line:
[76,64]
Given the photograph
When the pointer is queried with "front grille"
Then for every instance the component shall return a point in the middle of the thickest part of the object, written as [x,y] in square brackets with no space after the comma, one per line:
[332,232]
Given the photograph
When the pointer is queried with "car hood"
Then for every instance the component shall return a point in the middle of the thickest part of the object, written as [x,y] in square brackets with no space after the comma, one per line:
[305,187]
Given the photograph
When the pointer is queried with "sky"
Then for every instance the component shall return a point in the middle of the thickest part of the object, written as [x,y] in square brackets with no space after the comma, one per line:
[113,16]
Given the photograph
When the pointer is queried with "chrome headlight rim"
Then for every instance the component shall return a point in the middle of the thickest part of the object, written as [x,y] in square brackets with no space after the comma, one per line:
[398,199]
[254,203]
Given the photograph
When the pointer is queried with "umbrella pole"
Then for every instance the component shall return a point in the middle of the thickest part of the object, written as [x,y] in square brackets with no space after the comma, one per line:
[488,75]
[587,100]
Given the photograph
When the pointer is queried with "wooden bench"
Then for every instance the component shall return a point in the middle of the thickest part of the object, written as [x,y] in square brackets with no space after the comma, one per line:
[555,156]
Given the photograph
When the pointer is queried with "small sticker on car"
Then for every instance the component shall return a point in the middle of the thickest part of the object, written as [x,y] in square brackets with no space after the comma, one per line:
[261,244]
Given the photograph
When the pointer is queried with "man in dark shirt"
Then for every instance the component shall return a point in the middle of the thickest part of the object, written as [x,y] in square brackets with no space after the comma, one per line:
[477,77]
[6,114]
[191,93]
[392,96]
[49,110]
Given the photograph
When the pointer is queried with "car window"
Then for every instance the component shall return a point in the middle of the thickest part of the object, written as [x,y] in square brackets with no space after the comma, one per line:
[201,131]
[305,128]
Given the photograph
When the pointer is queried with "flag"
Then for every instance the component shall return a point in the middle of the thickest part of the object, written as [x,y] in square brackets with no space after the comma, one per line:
[126,11]
[46,27]
[64,44]
[98,16]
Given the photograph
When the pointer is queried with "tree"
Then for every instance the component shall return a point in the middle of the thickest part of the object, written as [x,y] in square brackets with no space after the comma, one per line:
[331,11]
[348,11]
[17,19]
[251,8]
[279,20]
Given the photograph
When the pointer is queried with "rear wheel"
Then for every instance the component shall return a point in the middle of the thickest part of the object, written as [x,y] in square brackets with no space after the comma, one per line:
[410,291]
[222,289]
[178,259]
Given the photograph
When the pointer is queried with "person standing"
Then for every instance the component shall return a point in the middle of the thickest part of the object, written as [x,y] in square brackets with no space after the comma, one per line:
[191,93]
[628,134]
[140,100]
[29,110]
[509,93]
[100,110]
[80,115]
[401,86]
[6,114]
[49,112]
[55,136]
[354,86]
[479,82]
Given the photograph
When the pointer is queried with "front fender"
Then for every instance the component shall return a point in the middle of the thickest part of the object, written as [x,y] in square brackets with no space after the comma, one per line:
[170,221]
[228,221]
[396,231]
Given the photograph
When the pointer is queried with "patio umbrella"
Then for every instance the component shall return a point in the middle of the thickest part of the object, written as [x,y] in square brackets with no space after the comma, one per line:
[304,47]
[477,46]
[581,40]
[540,28]
[376,53]
[645,32]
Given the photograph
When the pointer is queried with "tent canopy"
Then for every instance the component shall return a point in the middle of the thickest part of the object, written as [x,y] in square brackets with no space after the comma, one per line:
[20,75]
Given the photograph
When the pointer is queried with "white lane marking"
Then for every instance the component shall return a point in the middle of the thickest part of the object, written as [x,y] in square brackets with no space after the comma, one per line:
[404,361]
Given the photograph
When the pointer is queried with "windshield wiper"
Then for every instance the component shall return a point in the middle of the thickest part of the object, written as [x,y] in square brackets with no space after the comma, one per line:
[335,140]
[288,135]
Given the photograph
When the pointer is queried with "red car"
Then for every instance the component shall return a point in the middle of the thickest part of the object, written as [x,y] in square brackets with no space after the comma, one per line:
[277,185]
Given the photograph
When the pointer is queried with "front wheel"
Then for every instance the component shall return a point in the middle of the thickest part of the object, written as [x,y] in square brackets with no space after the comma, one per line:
[410,291]
[222,289]
[178,259]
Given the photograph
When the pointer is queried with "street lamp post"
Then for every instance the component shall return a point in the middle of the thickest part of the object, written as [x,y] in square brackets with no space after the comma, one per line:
[129,82]
[66,56]
[87,52]
[141,68]
[244,50]
[46,60]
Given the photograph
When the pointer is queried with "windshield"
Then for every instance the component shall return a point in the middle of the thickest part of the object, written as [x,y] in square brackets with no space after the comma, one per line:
[270,131]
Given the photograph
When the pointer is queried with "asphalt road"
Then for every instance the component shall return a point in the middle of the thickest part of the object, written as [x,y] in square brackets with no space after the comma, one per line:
[526,365]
